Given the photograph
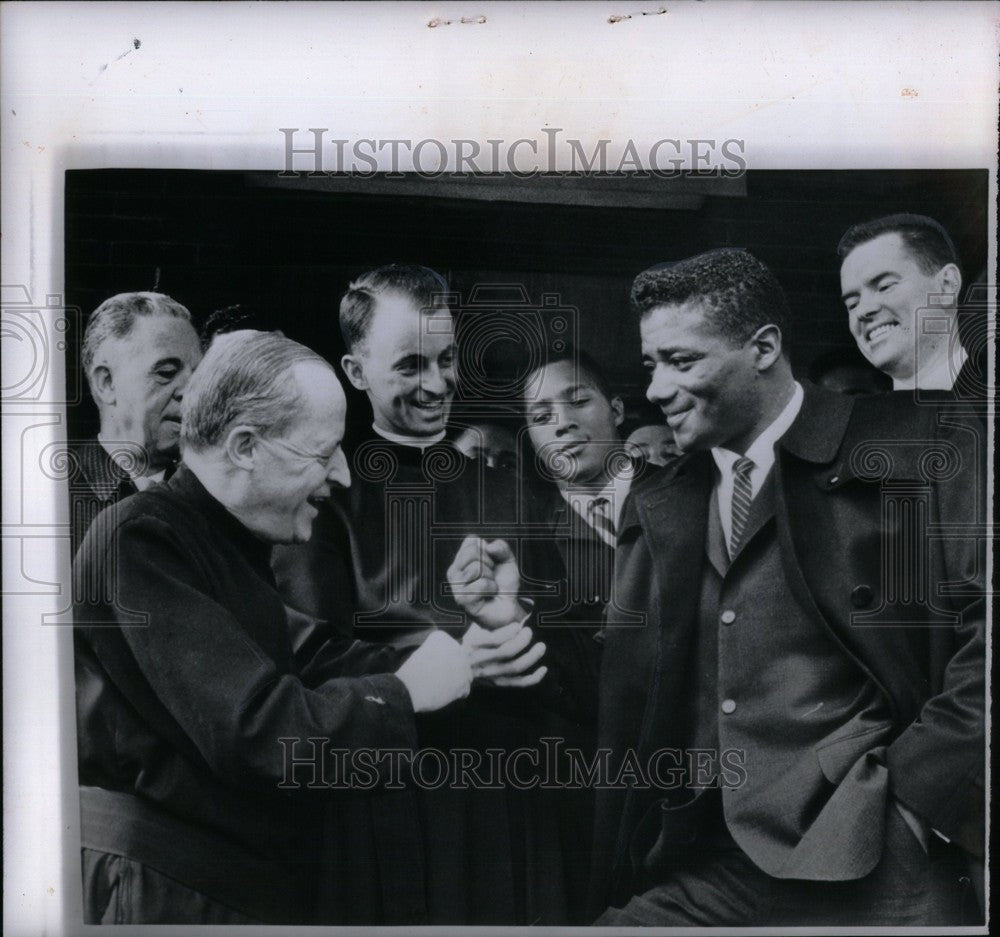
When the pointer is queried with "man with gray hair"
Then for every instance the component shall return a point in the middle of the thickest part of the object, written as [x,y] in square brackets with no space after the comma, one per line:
[139,350]
[195,716]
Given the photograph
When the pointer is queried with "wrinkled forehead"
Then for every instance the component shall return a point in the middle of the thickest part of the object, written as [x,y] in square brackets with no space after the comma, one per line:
[155,337]
[680,323]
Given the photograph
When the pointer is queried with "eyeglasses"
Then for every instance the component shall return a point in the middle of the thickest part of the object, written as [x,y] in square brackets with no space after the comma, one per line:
[327,461]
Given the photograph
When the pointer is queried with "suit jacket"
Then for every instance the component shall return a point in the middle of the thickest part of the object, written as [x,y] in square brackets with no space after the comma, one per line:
[861,486]
[95,481]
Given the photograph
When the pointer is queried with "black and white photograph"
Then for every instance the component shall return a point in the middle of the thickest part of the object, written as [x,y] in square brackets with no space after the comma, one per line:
[545,519]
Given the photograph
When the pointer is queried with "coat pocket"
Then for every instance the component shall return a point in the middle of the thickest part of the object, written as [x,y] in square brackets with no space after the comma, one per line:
[836,755]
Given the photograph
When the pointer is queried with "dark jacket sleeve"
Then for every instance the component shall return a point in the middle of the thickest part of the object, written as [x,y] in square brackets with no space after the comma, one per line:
[225,692]
[937,764]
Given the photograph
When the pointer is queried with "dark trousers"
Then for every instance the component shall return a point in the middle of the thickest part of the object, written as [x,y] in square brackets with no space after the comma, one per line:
[907,887]
[117,890]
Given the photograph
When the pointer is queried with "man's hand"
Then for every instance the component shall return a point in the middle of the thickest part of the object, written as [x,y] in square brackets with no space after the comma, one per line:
[485,581]
[496,656]
[436,673]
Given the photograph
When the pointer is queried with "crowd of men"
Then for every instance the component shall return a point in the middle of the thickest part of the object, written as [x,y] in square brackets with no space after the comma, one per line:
[779,591]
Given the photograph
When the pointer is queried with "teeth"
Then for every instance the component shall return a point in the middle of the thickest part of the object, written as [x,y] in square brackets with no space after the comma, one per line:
[880,330]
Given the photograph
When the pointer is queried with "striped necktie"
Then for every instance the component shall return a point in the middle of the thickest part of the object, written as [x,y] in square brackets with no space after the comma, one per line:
[599,516]
[742,496]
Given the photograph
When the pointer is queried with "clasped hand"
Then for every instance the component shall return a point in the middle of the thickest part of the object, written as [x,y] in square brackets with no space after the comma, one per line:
[485,581]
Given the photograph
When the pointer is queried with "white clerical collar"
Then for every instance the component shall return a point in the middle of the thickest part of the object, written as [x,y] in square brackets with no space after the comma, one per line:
[935,375]
[417,442]
[142,482]
[761,450]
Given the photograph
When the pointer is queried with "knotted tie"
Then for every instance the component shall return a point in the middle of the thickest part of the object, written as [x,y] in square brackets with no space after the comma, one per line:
[601,519]
[742,496]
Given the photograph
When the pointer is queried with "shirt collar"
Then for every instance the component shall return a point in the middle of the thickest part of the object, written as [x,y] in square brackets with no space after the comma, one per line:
[417,442]
[761,450]
[938,375]
[120,459]
[615,491]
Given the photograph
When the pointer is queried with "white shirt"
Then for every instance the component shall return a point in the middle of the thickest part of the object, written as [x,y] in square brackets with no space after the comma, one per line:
[936,375]
[760,452]
[581,499]
[418,442]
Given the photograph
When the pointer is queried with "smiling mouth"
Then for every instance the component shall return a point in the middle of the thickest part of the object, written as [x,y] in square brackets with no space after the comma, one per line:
[429,406]
[874,334]
[674,418]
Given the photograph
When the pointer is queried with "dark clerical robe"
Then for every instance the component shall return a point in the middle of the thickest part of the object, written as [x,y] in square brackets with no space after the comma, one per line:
[376,567]
[187,685]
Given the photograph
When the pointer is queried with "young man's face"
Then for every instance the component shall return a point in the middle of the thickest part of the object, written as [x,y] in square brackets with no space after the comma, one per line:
[295,472]
[883,289]
[573,427]
[146,372]
[704,383]
[406,365]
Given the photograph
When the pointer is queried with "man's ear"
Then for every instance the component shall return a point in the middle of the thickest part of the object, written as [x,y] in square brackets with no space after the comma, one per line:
[767,345]
[355,371]
[950,278]
[241,446]
[102,386]
[619,410]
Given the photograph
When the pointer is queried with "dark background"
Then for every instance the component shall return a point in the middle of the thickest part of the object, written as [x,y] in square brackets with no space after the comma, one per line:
[518,252]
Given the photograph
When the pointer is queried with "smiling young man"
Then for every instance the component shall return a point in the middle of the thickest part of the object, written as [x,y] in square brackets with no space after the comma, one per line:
[139,351]
[780,639]
[900,282]
[187,680]
[573,418]
[377,566]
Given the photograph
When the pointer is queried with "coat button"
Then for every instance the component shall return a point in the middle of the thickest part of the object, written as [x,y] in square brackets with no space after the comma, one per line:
[833,479]
[862,597]
[728,706]
[728,617]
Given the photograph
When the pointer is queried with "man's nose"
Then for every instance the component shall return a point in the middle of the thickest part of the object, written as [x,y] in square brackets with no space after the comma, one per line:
[565,420]
[182,380]
[438,380]
[339,474]
[661,387]
[868,305]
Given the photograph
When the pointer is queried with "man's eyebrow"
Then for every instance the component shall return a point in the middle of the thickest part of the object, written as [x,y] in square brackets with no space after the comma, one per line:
[871,281]
[409,356]
[538,402]
[160,362]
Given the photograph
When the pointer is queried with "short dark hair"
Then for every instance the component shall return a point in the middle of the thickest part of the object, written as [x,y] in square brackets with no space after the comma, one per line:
[584,362]
[424,286]
[927,241]
[739,292]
